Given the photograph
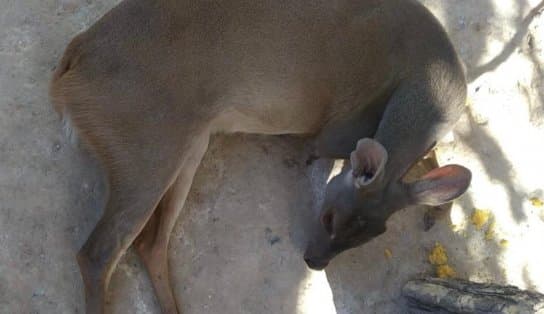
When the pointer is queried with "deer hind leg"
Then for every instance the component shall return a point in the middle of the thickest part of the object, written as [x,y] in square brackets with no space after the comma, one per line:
[152,243]
[131,203]
[141,167]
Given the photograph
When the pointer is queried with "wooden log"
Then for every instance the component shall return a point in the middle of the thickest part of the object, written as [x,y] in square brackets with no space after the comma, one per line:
[434,295]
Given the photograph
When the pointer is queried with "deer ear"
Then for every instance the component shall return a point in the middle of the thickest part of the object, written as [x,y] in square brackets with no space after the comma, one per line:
[368,162]
[441,185]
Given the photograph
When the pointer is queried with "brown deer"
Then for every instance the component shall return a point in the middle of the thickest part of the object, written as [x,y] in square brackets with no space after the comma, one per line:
[376,81]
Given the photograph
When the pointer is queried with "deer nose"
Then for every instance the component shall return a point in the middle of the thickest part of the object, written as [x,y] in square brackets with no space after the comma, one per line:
[316,264]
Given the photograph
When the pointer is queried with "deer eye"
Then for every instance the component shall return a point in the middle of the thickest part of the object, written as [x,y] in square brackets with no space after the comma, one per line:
[326,221]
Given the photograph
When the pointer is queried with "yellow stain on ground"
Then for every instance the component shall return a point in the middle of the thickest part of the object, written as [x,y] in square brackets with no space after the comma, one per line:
[504,243]
[388,254]
[480,217]
[438,255]
[445,271]
[536,202]
[439,258]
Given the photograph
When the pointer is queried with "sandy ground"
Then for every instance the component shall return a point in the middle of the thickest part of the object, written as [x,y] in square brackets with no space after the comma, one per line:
[236,248]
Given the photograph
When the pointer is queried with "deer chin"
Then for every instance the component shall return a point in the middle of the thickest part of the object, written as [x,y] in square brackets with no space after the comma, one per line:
[316,264]
[318,256]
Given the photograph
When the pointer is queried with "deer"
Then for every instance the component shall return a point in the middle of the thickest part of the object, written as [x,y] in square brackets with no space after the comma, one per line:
[376,83]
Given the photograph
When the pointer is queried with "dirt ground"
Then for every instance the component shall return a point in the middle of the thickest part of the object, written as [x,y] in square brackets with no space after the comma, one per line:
[237,247]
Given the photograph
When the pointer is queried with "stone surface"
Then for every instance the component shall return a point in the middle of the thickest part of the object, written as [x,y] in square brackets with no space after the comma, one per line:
[237,246]
[433,295]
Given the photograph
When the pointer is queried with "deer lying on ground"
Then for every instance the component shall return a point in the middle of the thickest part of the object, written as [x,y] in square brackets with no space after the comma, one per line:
[376,82]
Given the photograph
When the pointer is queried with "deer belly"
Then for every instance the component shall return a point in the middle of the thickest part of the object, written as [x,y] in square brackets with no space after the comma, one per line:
[271,119]
[279,110]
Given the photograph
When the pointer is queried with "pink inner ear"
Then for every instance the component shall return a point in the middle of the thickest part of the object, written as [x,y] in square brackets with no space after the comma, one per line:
[452,171]
[368,159]
[442,185]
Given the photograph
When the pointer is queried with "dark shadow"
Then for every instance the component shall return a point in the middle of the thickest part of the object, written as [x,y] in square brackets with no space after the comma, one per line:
[510,47]
[468,26]
[536,112]
[495,164]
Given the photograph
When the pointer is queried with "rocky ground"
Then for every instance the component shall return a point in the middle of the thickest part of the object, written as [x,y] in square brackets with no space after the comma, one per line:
[236,248]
